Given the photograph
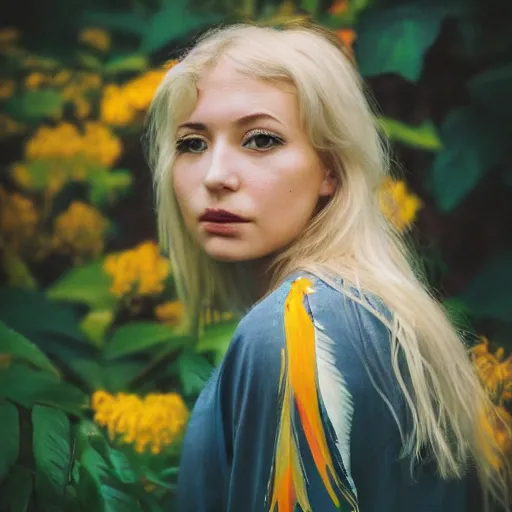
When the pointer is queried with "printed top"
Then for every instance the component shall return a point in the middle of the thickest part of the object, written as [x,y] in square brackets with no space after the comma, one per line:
[302,415]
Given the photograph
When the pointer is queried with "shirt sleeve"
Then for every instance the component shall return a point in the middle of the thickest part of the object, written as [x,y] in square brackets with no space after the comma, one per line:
[303,426]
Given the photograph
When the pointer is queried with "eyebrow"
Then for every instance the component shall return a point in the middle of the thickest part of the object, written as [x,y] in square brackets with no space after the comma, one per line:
[241,122]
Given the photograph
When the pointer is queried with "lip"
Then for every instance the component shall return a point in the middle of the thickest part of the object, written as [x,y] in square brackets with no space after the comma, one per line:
[218,216]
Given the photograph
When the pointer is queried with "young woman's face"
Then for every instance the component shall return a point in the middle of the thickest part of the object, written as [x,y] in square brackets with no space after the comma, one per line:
[246,177]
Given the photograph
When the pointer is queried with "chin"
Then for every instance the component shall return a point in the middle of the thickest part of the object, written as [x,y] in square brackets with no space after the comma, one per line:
[229,251]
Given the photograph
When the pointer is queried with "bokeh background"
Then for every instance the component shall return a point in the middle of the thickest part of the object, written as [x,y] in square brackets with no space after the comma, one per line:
[96,379]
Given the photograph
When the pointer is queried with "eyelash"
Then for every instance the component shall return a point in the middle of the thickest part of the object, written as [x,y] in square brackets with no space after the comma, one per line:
[181,143]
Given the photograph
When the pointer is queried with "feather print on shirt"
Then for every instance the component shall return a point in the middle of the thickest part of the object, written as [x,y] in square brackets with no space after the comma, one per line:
[302,388]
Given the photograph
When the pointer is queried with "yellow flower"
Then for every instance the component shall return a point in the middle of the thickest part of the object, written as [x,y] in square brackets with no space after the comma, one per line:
[9,126]
[494,371]
[62,77]
[115,107]
[170,312]
[6,89]
[80,232]
[97,143]
[347,36]
[497,424]
[397,204]
[95,38]
[35,80]
[140,91]
[18,219]
[140,271]
[153,422]
[339,7]
[20,175]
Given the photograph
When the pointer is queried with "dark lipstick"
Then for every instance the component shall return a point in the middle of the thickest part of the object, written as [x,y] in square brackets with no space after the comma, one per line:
[220,216]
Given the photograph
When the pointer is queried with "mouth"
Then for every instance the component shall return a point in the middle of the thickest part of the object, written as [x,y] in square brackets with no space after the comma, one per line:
[220,216]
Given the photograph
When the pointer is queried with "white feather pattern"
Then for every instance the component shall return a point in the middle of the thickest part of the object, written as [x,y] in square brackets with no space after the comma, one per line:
[335,396]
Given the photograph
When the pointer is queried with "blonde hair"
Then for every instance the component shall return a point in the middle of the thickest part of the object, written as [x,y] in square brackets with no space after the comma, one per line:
[350,237]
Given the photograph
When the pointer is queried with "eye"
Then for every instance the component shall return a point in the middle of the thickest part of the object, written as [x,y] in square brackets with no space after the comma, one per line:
[263,140]
[190,145]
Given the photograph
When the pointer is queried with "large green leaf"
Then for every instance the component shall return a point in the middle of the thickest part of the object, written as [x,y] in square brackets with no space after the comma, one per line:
[16,491]
[139,336]
[489,294]
[20,348]
[216,338]
[27,387]
[87,284]
[53,454]
[172,22]
[194,371]
[31,313]
[423,136]
[9,437]
[471,148]
[394,40]
[96,323]
[36,105]
[491,89]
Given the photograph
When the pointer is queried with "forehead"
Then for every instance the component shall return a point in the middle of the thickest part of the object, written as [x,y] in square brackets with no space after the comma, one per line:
[225,92]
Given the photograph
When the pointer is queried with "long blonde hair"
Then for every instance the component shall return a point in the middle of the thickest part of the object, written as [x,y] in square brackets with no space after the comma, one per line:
[350,237]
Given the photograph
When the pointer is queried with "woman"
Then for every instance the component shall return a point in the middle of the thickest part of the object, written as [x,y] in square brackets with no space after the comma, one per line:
[345,385]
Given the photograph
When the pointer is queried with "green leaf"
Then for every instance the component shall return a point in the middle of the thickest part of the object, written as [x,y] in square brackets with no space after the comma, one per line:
[123,63]
[9,437]
[52,452]
[90,61]
[36,105]
[471,148]
[491,89]
[88,491]
[106,187]
[87,284]
[16,491]
[489,294]
[138,336]
[310,6]
[96,323]
[172,22]
[118,20]
[194,371]
[32,314]
[27,387]
[394,40]
[22,349]
[423,136]
[16,270]
[216,338]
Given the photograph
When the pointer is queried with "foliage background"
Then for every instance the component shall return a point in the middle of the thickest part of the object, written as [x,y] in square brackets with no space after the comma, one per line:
[96,381]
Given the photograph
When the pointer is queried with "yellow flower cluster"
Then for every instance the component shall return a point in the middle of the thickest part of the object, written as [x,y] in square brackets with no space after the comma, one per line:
[95,38]
[120,105]
[154,422]
[170,313]
[495,373]
[97,143]
[140,271]
[18,219]
[397,204]
[80,232]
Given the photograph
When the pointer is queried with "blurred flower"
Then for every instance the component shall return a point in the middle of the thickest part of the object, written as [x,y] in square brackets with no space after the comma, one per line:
[115,107]
[9,36]
[397,204]
[140,90]
[18,219]
[497,424]
[154,421]
[35,80]
[338,7]
[170,312]
[6,89]
[494,371]
[170,64]
[80,232]
[347,36]
[9,126]
[96,38]
[20,175]
[62,77]
[140,271]
[97,143]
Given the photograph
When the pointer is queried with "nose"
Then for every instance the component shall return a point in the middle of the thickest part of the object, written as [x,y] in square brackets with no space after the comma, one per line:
[221,173]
